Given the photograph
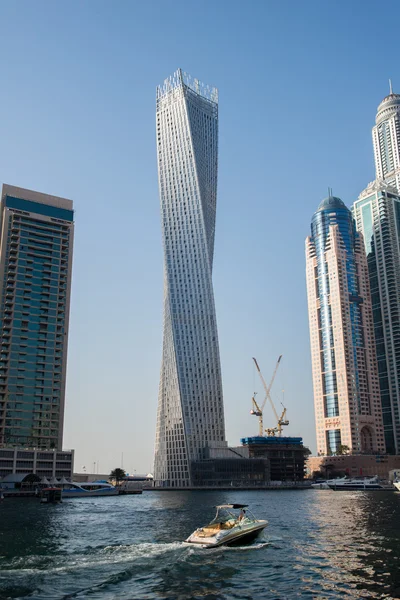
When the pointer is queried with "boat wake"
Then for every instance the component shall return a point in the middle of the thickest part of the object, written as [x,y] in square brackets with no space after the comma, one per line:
[103,569]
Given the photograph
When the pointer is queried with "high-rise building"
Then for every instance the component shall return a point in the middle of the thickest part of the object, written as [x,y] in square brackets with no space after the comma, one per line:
[347,401]
[386,140]
[190,407]
[377,215]
[35,279]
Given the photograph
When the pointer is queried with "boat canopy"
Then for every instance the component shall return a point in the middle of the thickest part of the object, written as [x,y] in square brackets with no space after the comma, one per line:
[232,506]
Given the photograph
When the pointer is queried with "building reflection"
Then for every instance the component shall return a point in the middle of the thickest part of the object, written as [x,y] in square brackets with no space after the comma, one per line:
[354,542]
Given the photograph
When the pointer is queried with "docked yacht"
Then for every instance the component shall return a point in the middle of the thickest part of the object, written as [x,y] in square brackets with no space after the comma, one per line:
[324,484]
[227,528]
[89,489]
[366,483]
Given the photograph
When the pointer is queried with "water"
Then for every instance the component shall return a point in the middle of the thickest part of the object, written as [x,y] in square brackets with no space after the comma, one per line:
[319,544]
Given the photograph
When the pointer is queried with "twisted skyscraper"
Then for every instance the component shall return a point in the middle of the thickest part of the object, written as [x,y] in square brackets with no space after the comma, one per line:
[190,407]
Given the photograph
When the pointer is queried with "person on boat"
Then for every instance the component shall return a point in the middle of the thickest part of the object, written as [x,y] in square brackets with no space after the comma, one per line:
[242,515]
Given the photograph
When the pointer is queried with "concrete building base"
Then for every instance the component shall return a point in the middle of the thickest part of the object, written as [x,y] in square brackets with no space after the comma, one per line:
[354,465]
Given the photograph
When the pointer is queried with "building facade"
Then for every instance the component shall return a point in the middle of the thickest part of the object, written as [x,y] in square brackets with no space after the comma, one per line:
[352,465]
[231,473]
[377,216]
[44,463]
[386,140]
[190,406]
[347,401]
[36,239]
[286,455]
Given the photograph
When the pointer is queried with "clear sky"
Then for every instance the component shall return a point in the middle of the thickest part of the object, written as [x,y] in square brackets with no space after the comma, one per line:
[299,84]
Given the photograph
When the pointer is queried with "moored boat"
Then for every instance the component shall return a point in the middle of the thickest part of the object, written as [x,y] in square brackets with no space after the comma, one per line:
[324,484]
[227,529]
[363,483]
[89,489]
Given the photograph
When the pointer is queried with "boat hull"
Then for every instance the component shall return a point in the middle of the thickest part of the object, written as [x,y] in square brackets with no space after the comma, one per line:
[88,493]
[232,538]
[246,538]
[363,488]
[320,486]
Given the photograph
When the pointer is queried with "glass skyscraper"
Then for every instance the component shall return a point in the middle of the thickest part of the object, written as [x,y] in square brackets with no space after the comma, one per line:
[190,407]
[35,279]
[386,140]
[347,402]
[377,215]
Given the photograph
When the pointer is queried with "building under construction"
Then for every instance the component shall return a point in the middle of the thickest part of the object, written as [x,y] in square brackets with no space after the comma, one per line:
[286,455]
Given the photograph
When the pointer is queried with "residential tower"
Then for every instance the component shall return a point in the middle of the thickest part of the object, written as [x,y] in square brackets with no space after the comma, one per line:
[377,216]
[36,239]
[347,401]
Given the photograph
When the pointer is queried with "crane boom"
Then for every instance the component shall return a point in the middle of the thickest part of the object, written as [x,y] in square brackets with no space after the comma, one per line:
[268,388]
[258,413]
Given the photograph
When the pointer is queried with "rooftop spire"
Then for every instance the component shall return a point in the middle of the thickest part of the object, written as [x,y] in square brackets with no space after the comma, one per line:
[390,87]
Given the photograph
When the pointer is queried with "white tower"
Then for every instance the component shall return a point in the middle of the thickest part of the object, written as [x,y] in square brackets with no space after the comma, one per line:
[386,140]
[377,216]
[190,407]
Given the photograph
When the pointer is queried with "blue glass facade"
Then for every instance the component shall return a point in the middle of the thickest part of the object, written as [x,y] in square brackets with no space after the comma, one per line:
[333,440]
[333,211]
[35,269]
[348,410]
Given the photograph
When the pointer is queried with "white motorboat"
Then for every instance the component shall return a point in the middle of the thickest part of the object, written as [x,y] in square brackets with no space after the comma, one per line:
[323,484]
[227,528]
[397,485]
[89,489]
[362,483]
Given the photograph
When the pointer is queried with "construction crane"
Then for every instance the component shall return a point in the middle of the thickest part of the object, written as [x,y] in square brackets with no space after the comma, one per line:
[258,411]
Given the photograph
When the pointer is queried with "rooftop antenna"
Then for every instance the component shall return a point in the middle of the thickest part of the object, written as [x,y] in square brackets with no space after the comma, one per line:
[390,87]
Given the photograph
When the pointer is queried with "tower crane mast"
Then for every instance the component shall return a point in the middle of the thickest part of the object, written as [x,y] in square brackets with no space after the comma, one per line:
[258,411]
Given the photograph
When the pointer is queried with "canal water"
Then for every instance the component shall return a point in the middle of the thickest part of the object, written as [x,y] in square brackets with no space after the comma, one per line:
[319,544]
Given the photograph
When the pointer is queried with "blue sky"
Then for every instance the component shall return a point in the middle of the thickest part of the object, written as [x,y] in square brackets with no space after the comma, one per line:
[299,84]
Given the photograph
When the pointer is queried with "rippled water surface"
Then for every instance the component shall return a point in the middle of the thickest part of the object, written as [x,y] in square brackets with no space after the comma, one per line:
[319,544]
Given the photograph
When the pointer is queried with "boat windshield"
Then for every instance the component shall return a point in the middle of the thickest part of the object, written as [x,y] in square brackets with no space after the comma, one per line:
[225,514]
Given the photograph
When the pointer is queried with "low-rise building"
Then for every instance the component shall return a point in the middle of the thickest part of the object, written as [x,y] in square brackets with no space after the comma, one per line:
[89,477]
[353,465]
[143,480]
[44,463]
[225,466]
[231,472]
